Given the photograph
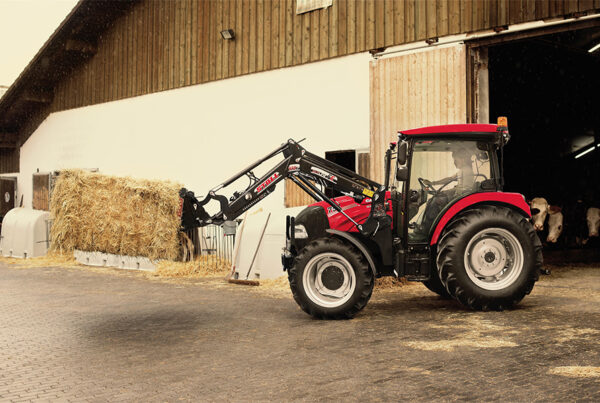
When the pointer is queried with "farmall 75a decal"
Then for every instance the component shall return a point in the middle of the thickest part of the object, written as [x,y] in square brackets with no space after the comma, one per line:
[268,182]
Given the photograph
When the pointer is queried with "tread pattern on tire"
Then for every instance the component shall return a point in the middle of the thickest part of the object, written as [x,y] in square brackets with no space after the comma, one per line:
[364,278]
[447,250]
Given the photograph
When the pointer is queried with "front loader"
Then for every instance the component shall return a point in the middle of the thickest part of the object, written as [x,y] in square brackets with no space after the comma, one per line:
[441,218]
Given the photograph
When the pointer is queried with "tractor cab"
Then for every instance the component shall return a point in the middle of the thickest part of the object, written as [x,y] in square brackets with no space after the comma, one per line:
[443,164]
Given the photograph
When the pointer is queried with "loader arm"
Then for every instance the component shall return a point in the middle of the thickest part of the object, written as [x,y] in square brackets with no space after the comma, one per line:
[305,170]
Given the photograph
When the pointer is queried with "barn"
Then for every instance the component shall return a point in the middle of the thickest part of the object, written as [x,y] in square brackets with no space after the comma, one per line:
[193,90]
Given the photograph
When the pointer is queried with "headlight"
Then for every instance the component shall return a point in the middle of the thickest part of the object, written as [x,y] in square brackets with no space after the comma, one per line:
[300,232]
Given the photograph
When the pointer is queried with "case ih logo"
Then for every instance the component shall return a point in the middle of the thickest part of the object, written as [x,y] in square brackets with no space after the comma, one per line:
[267,183]
[323,174]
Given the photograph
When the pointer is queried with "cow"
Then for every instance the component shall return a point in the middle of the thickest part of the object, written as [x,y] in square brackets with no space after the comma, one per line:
[539,211]
[593,221]
[555,223]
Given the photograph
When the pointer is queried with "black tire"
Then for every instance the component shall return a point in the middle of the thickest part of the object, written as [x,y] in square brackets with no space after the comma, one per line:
[466,282]
[435,284]
[339,252]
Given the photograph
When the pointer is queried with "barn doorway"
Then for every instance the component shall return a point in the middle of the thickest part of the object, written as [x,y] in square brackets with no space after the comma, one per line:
[548,85]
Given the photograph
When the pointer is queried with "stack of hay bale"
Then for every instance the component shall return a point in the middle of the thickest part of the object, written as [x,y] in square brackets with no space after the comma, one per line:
[123,216]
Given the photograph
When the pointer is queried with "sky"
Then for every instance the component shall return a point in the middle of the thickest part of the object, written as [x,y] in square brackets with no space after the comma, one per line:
[25,25]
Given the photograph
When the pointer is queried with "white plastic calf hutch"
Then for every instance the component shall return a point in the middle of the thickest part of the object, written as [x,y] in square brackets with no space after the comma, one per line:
[25,233]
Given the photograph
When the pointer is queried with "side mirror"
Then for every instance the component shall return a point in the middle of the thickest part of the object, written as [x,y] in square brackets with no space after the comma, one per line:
[402,153]
[402,173]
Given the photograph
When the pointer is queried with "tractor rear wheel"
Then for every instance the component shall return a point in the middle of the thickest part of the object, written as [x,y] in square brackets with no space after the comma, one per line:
[330,279]
[489,258]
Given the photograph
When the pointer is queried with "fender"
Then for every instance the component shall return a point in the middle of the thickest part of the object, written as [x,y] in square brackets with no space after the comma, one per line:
[359,245]
[515,201]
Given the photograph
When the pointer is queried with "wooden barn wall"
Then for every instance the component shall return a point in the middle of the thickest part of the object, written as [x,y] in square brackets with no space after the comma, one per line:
[9,161]
[161,45]
[295,196]
[418,89]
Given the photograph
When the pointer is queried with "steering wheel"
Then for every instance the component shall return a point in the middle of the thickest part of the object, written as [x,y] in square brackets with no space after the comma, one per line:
[427,186]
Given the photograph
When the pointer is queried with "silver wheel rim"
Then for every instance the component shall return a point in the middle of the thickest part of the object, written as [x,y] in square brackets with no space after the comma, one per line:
[329,270]
[494,259]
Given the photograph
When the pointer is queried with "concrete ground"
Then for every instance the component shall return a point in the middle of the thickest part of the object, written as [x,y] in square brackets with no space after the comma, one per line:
[99,335]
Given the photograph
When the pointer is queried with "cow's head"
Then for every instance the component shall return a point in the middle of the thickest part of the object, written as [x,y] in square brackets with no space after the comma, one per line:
[593,220]
[539,210]
[555,223]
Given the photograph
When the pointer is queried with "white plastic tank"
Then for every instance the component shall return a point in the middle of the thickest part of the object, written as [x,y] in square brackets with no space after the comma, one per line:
[25,233]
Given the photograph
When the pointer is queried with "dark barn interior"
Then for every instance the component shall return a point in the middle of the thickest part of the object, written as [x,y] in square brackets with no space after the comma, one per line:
[549,88]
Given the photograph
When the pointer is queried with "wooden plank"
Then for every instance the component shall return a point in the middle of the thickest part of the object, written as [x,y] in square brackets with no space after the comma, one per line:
[275,36]
[121,55]
[131,53]
[351,26]
[487,5]
[188,42]
[379,24]
[442,18]
[430,18]
[342,39]
[239,40]
[515,11]
[252,42]
[297,42]
[409,20]
[231,64]
[361,29]
[306,32]
[167,45]
[370,41]
[529,6]
[466,16]
[226,45]
[267,34]
[193,64]
[503,12]
[161,46]
[453,17]
[478,15]
[290,23]
[571,6]
[314,35]
[323,33]
[492,14]
[421,20]
[178,45]
[389,22]
[218,39]
[260,43]
[333,29]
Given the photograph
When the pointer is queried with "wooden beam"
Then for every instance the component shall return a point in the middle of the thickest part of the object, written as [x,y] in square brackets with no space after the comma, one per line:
[42,96]
[77,45]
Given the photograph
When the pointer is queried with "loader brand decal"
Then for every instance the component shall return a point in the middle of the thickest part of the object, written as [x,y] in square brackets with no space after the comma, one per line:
[268,182]
[294,167]
[323,174]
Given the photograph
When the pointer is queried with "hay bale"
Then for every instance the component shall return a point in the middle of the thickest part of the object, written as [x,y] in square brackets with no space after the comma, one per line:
[124,216]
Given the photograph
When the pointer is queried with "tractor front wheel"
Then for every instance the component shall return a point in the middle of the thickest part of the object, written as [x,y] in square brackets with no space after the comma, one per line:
[489,258]
[330,279]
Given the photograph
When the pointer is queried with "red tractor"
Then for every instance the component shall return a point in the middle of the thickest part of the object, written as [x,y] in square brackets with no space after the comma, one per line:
[443,220]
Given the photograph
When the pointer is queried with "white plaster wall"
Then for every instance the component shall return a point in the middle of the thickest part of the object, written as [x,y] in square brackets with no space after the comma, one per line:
[203,134]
